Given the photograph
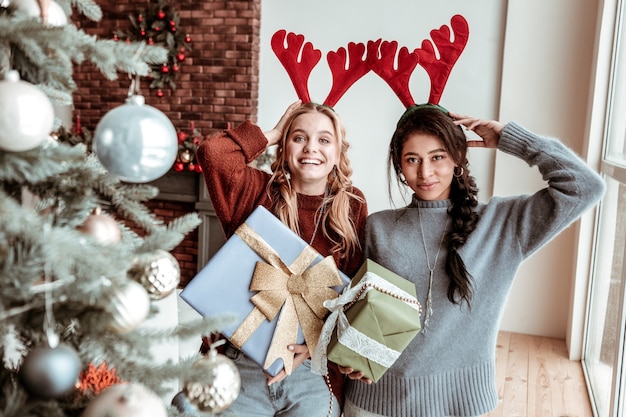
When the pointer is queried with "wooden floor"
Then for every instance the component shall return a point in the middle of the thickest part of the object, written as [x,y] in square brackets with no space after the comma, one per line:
[535,378]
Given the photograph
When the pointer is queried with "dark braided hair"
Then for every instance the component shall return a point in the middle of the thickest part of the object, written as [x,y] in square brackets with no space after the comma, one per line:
[435,120]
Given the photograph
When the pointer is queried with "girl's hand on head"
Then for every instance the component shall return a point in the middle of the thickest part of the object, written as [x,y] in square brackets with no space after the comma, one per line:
[273,136]
[300,354]
[488,130]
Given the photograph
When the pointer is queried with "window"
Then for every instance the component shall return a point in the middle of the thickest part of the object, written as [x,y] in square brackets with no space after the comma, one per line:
[603,358]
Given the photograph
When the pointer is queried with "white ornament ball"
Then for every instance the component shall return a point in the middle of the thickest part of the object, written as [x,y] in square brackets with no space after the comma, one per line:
[158,272]
[26,115]
[129,306]
[136,142]
[54,14]
[126,400]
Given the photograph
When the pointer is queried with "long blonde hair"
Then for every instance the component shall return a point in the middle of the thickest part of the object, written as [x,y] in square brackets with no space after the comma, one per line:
[337,201]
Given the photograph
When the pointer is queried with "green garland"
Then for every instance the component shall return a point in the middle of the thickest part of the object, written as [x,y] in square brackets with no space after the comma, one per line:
[158,24]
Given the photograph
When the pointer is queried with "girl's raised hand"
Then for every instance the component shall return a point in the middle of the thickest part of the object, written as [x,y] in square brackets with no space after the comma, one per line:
[273,136]
[488,130]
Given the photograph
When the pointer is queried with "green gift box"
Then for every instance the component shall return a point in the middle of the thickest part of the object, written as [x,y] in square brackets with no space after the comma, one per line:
[375,321]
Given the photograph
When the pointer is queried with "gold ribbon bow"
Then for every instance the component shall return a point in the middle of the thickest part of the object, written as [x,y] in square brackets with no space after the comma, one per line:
[296,292]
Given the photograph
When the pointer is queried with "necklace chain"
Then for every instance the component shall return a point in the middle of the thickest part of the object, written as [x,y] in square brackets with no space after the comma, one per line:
[320,214]
[431,269]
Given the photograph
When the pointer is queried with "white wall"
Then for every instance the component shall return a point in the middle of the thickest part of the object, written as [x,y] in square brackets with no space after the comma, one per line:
[527,62]
[370,109]
[545,85]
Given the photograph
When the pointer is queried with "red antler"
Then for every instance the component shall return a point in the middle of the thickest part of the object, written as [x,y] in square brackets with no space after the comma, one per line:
[449,51]
[383,65]
[344,78]
[299,61]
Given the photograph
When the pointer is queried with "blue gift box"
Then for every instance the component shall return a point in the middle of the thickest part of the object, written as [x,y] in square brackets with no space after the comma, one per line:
[265,250]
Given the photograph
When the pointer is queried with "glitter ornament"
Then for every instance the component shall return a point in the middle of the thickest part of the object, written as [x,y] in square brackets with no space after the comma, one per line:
[136,142]
[158,272]
[126,400]
[27,115]
[129,306]
[185,156]
[219,387]
[103,228]
[50,372]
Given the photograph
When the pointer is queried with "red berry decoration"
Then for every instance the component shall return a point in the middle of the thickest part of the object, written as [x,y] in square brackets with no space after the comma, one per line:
[158,24]
[159,93]
[179,166]
[198,168]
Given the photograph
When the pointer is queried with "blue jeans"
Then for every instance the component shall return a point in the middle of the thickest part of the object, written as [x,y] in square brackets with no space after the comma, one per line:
[301,394]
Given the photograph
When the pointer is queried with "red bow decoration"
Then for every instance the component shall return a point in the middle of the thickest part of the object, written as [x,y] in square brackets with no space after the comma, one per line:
[437,56]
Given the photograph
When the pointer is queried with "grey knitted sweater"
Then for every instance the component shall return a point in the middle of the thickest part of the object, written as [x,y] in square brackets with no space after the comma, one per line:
[450,369]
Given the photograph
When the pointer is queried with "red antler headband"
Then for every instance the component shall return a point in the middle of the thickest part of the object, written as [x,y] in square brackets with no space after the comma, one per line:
[299,59]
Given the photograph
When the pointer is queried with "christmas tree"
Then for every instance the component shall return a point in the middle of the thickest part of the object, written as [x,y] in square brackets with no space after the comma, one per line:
[82,259]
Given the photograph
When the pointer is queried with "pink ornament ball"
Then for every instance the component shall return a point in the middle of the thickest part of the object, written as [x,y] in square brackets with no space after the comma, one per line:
[102,227]
[126,400]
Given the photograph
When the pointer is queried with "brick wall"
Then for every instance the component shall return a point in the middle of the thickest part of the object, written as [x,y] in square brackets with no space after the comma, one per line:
[187,252]
[217,83]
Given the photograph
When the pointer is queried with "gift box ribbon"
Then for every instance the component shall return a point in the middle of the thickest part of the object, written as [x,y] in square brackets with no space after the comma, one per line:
[350,336]
[296,291]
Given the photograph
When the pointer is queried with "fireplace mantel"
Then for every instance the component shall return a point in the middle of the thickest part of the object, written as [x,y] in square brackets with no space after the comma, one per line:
[189,187]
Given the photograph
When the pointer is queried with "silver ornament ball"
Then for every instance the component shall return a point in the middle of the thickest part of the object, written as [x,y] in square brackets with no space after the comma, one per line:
[50,372]
[158,272]
[136,142]
[220,386]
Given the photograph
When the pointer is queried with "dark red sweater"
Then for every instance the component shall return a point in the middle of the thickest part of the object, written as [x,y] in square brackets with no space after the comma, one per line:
[236,189]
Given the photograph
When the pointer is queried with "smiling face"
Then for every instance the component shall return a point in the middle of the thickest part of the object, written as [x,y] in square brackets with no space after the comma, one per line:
[311,151]
[427,166]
